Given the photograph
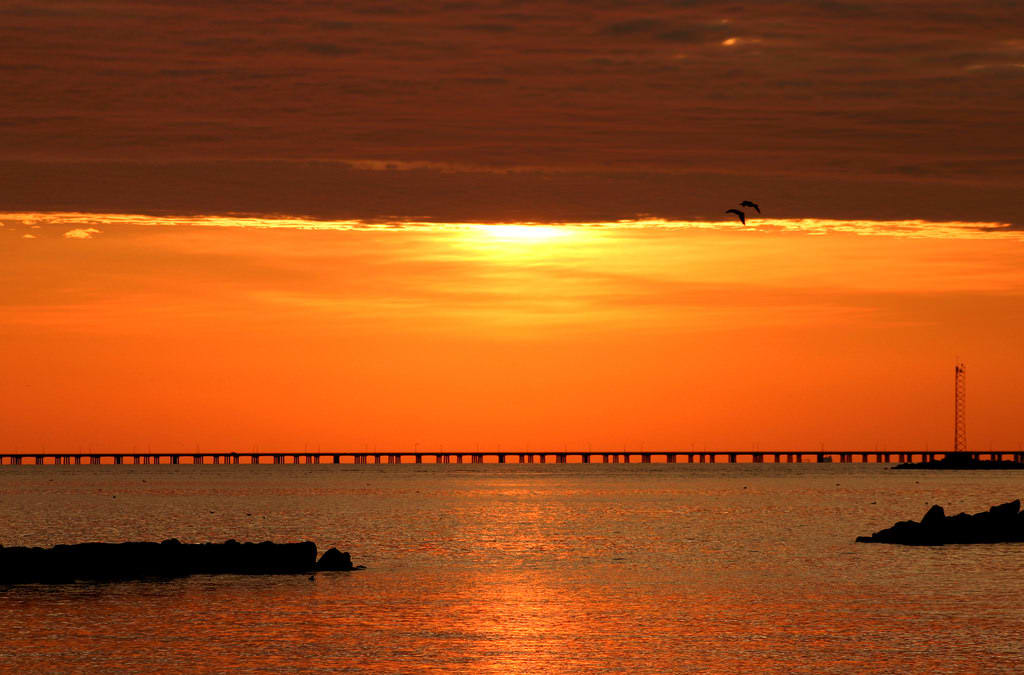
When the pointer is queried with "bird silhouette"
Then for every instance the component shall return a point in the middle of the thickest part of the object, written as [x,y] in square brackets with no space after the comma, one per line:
[739,214]
[750,204]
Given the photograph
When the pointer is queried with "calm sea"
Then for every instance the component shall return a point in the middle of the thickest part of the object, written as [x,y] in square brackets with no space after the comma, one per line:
[533,568]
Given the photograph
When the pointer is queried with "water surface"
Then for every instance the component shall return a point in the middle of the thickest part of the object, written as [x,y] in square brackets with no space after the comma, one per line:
[534,568]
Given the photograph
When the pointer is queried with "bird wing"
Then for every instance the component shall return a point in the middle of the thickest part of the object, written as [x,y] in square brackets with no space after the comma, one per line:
[739,214]
[751,204]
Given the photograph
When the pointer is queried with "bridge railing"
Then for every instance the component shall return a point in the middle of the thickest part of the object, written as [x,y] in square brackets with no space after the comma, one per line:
[499,457]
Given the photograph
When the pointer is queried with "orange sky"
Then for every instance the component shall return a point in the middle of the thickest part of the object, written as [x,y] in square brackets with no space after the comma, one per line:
[357,305]
[123,332]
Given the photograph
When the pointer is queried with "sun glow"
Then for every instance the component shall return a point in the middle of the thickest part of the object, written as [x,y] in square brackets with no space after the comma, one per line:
[524,233]
[516,244]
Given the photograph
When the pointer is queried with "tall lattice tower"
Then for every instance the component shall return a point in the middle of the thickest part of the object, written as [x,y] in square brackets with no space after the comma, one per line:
[960,413]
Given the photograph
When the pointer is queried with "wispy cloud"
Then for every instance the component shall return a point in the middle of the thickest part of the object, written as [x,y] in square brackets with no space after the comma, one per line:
[82,233]
[85,225]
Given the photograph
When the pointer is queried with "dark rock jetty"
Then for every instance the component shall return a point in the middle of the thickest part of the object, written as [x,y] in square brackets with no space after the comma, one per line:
[963,461]
[169,558]
[1003,523]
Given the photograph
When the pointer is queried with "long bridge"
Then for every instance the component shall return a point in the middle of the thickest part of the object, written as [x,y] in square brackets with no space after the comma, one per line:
[492,457]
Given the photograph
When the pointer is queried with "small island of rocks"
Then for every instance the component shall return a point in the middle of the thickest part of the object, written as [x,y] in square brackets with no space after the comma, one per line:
[1000,524]
[170,558]
[963,461]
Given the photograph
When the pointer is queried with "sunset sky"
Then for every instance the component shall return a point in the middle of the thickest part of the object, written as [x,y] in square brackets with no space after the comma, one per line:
[398,225]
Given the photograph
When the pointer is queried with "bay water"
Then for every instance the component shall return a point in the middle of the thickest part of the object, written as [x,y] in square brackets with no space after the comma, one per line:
[642,568]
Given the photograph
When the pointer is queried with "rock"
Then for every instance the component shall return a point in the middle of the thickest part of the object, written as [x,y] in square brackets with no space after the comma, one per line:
[934,517]
[1007,510]
[1001,523]
[963,461]
[335,560]
[138,560]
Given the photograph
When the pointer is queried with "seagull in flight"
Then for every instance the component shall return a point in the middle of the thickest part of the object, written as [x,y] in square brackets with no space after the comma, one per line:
[739,214]
[751,205]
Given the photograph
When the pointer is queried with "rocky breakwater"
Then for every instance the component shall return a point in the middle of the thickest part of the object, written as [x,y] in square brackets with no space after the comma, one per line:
[1002,523]
[962,461]
[170,558]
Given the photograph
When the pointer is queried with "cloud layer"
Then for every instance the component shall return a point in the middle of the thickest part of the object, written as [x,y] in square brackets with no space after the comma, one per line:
[656,107]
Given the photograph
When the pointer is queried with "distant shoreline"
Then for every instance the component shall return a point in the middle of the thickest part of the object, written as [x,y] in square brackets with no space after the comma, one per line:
[963,462]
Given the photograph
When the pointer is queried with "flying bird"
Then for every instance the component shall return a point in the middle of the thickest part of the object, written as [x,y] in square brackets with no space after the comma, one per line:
[739,214]
[751,205]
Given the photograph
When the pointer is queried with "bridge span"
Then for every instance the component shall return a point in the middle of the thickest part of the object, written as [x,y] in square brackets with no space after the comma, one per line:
[491,457]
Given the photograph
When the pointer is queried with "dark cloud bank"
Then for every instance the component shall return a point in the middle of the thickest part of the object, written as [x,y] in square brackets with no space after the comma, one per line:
[505,110]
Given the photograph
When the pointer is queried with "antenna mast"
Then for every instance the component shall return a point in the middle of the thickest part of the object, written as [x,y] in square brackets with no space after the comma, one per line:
[960,410]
